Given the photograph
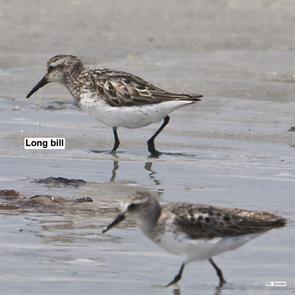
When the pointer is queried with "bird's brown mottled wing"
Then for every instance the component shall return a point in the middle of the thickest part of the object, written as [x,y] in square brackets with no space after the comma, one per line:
[125,89]
[210,222]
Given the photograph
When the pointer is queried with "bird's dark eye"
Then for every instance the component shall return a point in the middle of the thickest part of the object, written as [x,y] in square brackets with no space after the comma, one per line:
[50,68]
[132,206]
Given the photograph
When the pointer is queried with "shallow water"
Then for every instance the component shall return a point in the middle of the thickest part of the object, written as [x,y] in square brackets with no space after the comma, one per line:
[232,149]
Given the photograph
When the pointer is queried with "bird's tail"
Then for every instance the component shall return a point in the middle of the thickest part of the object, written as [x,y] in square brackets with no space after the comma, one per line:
[196,97]
[265,221]
[191,97]
[185,97]
[279,222]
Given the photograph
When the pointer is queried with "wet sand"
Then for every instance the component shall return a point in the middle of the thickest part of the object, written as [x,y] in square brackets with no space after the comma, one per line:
[232,149]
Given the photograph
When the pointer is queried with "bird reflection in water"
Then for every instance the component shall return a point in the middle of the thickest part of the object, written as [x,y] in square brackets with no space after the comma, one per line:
[147,166]
[176,290]
[114,170]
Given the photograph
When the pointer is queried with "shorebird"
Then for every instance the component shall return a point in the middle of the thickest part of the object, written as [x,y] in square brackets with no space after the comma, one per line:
[195,232]
[115,98]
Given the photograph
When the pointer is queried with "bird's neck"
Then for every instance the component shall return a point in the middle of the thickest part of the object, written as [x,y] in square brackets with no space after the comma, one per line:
[148,221]
[74,82]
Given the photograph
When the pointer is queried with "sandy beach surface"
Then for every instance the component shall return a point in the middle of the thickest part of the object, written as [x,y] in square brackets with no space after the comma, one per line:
[233,149]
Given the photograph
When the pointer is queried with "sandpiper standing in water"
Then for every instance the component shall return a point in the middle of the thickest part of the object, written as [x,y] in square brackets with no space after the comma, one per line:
[115,98]
[195,232]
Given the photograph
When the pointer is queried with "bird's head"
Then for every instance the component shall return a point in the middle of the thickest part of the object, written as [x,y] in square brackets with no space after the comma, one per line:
[57,68]
[140,208]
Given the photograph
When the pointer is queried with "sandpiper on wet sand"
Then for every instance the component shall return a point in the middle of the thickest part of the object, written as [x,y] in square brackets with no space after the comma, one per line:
[195,232]
[115,98]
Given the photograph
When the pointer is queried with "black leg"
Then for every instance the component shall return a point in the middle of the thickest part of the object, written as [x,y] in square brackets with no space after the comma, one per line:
[219,272]
[117,141]
[150,142]
[177,277]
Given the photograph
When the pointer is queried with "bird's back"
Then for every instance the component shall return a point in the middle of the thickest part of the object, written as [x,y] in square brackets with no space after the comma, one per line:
[201,221]
[119,88]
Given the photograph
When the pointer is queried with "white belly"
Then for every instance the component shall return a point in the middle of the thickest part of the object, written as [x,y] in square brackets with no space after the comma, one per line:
[201,249]
[130,117]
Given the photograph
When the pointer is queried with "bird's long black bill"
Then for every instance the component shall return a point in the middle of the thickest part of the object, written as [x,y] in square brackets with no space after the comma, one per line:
[117,220]
[40,84]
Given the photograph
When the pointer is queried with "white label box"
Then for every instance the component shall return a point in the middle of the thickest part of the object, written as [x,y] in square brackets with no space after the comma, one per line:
[44,143]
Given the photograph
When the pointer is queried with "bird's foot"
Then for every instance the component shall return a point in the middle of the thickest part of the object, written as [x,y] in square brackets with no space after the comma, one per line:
[155,154]
[151,148]
[114,153]
[174,281]
[222,281]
